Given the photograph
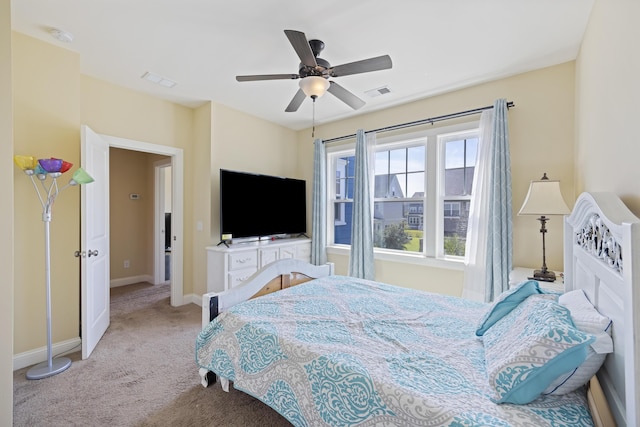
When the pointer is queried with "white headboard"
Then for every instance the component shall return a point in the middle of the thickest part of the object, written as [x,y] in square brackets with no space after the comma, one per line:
[602,257]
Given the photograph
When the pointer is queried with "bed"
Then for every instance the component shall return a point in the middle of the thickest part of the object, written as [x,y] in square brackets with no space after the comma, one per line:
[324,349]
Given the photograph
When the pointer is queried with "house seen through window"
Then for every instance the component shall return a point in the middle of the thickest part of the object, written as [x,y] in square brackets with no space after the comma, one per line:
[421,192]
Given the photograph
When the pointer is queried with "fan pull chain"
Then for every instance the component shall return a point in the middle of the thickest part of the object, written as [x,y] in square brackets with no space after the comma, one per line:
[313,128]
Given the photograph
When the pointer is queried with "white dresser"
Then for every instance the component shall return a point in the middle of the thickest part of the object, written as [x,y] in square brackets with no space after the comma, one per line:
[229,266]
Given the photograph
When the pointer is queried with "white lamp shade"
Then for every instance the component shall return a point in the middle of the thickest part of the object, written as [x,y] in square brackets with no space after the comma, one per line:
[544,198]
[314,86]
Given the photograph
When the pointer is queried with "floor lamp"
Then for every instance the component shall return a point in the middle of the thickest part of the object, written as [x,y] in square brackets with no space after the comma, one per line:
[41,169]
[544,198]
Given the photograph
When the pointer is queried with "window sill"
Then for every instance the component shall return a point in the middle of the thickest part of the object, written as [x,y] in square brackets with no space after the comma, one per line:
[406,258]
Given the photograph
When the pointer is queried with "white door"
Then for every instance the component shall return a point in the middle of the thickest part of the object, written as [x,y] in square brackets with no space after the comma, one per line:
[94,220]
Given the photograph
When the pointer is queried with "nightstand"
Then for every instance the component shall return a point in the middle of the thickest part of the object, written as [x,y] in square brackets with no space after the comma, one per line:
[520,274]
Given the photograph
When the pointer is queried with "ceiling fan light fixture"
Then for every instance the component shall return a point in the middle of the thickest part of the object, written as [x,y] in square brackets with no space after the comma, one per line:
[314,86]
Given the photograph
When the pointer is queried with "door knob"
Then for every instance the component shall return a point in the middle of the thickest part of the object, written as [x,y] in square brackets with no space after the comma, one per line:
[94,253]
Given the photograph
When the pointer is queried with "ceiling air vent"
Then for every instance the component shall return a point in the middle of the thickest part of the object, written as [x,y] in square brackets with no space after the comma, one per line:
[378,91]
[162,81]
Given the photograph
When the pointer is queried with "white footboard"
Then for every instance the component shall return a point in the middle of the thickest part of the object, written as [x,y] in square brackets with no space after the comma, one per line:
[216,302]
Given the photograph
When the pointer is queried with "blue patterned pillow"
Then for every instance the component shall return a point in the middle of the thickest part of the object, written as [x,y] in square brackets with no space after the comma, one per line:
[529,348]
[506,302]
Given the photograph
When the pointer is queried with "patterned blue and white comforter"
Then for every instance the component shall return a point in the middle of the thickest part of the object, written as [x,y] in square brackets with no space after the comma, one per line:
[341,351]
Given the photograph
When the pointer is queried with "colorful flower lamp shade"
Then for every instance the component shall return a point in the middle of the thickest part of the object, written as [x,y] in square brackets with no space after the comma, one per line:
[42,169]
[51,165]
[80,176]
[26,163]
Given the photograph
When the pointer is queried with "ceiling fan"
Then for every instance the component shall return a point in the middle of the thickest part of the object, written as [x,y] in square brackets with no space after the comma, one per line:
[315,72]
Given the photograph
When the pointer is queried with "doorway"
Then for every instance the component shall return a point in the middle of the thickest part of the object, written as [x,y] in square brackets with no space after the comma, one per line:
[163,169]
[95,283]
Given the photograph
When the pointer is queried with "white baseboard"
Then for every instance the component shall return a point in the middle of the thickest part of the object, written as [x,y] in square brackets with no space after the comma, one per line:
[32,357]
[114,283]
[192,298]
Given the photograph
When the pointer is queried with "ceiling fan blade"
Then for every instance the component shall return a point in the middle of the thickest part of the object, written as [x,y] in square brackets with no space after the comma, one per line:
[345,96]
[366,65]
[296,101]
[267,77]
[300,44]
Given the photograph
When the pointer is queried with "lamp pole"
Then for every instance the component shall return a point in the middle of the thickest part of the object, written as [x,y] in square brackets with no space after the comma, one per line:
[51,366]
[544,273]
[41,169]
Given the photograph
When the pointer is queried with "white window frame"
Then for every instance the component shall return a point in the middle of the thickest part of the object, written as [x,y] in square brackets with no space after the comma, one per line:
[343,191]
[443,138]
[433,208]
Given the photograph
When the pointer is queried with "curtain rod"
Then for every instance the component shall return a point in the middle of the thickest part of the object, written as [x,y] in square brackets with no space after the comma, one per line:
[430,120]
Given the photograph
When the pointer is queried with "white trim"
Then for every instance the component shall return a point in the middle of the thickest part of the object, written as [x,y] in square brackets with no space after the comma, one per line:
[159,221]
[401,257]
[442,140]
[35,356]
[177,209]
[124,281]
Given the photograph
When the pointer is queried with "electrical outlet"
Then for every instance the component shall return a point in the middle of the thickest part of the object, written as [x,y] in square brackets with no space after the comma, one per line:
[126,263]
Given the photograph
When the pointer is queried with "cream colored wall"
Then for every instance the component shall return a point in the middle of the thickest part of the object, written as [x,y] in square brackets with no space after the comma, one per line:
[6,225]
[52,100]
[412,276]
[201,181]
[212,136]
[50,94]
[541,133]
[608,86]
[46,116]
[131,221]
[117,111]
[606,90]
[246,143]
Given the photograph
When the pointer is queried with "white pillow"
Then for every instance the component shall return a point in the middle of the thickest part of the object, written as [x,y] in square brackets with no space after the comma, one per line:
[587,319]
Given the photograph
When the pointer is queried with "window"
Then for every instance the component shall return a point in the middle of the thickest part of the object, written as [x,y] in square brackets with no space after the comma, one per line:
[460,152]
[343,179]
[451,209]
[399,197]
[421,192]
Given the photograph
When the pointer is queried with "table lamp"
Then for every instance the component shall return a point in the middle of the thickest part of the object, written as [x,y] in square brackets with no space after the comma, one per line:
[544,198]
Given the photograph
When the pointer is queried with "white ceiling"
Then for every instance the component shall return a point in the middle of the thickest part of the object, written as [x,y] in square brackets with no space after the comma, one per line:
[435,45]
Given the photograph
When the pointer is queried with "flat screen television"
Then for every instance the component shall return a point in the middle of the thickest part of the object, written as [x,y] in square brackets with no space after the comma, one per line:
[256,205]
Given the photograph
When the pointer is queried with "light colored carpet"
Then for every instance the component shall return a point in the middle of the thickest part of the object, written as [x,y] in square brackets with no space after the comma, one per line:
[142,373]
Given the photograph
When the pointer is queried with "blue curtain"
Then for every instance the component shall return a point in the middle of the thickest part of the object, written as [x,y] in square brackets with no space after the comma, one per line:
[500,232]
[361,262]
[489,247]
[319,207]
